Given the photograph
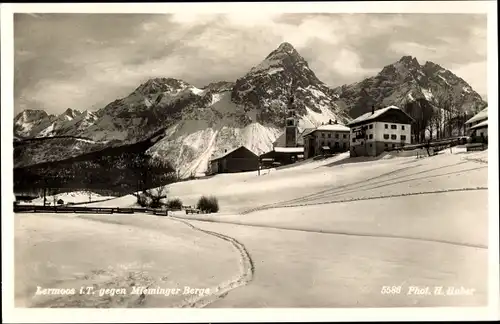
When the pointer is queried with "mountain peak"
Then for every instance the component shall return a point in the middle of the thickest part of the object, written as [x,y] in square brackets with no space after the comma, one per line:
[31,114]
[409,60]
[286,47]
[161,85]
[71,112]
[406,81]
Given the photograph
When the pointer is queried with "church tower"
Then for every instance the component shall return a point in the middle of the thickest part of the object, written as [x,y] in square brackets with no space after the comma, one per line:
[291,123]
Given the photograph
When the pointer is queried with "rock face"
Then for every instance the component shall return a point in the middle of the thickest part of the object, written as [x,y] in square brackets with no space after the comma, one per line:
[267,87]
[407,81]
[194,125]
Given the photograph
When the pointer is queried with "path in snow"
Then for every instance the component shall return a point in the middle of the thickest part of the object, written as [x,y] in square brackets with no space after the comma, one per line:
[246,268]
[115,252]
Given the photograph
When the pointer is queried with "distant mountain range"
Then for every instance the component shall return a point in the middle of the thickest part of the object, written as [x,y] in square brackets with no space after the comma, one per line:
[191,125]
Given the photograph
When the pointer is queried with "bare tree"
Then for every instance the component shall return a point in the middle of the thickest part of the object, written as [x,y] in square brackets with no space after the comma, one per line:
[156,195]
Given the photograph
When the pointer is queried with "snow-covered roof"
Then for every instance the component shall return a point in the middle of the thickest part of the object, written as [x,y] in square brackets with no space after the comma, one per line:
[289,149]
[334,127]
[480,125]
[483,114]
[307,131]
[227,153]
[377,113]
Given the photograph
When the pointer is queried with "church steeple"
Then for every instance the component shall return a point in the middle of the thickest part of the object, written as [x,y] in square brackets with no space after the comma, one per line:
[291,130]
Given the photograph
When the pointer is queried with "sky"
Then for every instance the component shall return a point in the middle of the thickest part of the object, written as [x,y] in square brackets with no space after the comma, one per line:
[85,61]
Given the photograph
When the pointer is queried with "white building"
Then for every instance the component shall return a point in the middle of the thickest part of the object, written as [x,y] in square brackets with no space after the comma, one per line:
[478,124]
[329,138]
[376,131]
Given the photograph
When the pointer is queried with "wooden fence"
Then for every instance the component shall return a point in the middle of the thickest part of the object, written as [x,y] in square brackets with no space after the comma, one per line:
[97,210]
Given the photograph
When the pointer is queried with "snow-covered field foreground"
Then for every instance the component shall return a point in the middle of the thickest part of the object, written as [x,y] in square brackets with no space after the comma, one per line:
[321,234]
[119,252]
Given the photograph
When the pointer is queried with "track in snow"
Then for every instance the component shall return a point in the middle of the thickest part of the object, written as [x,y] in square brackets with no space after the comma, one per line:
[361,186]
[388,236]
[246,265]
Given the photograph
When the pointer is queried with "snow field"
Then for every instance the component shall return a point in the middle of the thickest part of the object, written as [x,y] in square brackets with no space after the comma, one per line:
[300,269]
[306,250]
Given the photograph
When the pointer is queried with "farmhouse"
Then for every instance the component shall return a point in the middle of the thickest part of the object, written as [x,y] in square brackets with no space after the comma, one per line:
[477,126]
[237,160]
[282,156]
[329,138]
[376,131]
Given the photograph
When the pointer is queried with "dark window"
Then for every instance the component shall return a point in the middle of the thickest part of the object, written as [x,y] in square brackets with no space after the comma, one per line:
[371,136]
[370,145]
[336,135]
[402,127]
[393,137]
[403,137]
[322,143]
[345,136]
[371,126]
[353,140]
[386,145]
[386,136]
[329,135]
[386,126]
[393,145]
[344,145]
[322,134]
[289,122]
[394,126]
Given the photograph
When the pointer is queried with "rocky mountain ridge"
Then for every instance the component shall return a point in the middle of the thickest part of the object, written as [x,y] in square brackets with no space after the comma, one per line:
[201,123]
[195,125]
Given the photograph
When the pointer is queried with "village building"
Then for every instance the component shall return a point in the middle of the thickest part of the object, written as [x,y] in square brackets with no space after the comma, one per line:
[282,156]
[237,160]
[326,139]
[477,126]
[288,148]
[379,130]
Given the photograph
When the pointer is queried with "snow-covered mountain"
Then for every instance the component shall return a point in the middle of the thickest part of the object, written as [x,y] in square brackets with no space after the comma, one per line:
[189,125]
[30,123]
[195,125]
[37,123]
[407,81]
[250,112]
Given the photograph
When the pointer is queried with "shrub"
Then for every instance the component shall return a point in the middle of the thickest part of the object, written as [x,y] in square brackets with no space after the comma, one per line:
[155,203]
[143,200]
[208,204]
[174,204]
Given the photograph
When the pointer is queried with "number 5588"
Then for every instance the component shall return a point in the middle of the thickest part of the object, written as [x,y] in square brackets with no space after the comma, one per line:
[390,290]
